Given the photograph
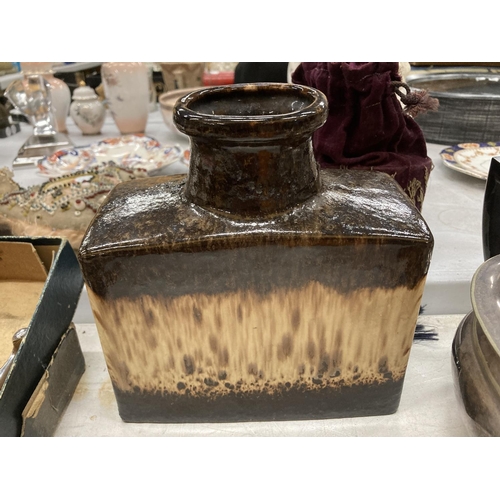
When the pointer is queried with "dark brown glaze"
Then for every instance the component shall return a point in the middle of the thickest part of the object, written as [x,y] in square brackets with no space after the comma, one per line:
[256,287]
[359,230]
[242,114]
[251,153]
[293,402]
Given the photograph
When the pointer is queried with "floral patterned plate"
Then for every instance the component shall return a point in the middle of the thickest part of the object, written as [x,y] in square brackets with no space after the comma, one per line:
[135,151]
[471,158]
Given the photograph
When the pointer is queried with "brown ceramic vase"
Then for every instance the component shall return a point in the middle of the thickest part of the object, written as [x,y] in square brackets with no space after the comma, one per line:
[256,287]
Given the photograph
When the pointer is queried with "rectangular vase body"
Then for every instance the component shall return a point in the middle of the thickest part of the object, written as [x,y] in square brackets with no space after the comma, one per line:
[207,317]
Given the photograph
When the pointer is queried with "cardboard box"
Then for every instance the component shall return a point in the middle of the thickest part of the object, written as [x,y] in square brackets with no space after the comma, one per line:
[40,284]
[55,389]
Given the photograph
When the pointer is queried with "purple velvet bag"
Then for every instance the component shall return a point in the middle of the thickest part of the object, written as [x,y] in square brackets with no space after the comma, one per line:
[367,127]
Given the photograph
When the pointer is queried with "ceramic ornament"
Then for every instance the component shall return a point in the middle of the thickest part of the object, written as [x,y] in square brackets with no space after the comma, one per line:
[87,111]
[257,287]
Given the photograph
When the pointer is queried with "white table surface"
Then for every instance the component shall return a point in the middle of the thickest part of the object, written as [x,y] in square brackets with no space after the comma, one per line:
[453,210]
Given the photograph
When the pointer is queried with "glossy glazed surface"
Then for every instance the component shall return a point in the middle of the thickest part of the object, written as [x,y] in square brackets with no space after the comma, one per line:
[256,287]
[167,101]
[249,112]
[251,153]
[153,216]
[308,314]
[491,211]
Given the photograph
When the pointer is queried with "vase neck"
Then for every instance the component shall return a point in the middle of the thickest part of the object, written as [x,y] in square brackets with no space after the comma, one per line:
[251,180]
[251,147]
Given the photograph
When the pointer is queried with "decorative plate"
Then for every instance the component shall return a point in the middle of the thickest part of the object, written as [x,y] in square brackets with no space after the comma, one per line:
[136,151]
[471,158]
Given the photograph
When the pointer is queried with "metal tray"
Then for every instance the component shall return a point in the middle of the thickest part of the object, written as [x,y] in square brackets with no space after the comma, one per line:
[469,105]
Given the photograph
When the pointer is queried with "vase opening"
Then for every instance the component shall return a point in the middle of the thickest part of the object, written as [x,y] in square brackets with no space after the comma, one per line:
[244,103]
[265,111]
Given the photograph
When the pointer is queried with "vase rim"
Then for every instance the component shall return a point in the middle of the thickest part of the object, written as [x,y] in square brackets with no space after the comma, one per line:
[301,109]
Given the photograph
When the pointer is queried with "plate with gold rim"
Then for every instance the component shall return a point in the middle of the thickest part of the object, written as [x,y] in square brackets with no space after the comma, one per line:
[471,158]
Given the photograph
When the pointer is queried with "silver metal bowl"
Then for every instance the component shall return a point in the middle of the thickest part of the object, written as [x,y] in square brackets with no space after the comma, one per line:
[469,104]
[476,353]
